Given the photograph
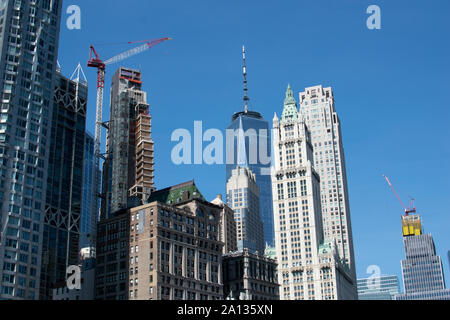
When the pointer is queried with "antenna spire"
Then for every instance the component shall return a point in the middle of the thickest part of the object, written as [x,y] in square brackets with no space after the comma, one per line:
[246,98]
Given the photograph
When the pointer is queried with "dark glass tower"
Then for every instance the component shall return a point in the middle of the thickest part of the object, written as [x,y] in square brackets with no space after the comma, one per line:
[252,149]
[64,184]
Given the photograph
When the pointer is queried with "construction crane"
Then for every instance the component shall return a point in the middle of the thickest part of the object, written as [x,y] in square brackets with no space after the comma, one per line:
[411,208]
[100,65]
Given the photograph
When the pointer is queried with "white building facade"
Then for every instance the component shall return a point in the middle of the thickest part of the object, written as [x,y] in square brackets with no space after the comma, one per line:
[318,110]
[309,267]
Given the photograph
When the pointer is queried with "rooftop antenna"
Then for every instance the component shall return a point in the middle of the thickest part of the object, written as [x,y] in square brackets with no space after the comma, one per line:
[76,75]
[246,98]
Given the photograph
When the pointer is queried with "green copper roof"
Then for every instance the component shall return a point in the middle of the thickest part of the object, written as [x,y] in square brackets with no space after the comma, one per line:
[176,194]
[326,247]
[271,252]
[290,110]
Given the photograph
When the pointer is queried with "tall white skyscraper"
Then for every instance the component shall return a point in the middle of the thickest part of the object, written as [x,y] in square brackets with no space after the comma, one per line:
[309,267]
[318,111]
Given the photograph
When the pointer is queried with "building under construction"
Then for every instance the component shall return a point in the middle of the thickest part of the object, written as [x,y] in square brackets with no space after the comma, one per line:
[128,169]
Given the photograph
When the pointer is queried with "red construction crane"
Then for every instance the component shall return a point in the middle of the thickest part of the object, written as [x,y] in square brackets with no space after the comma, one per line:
[411,208]
[96,62]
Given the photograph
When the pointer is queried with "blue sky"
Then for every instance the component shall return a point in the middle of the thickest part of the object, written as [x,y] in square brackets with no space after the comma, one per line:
[391,88]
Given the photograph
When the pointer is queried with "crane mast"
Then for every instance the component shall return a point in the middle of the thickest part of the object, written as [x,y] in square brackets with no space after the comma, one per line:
[96,62]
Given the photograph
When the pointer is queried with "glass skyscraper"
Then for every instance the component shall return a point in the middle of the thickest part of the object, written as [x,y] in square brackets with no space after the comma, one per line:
[29,34]
[90,205]
[243,198]
[251,148]
[60,244]
[378,288]
[251,140]
[423,276]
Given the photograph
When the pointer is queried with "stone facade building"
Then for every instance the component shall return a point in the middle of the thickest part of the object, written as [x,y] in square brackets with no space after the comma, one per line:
[167,249]
[247,276]
[317,108]
[309,266]
[227,228]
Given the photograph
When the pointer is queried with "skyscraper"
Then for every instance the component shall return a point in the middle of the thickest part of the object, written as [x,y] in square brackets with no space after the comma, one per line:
[60,244]
[251,148]
[128,167]
[29,34]
[243,198]
[318,111]
[90,205]
[423,275]
[378,288]
[309,267]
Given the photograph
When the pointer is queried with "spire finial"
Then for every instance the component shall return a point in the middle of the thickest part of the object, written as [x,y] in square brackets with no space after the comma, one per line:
[290,111]
[246,98]
[289,93]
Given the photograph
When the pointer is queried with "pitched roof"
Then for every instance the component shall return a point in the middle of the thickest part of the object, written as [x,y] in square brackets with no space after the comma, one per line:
[177,194]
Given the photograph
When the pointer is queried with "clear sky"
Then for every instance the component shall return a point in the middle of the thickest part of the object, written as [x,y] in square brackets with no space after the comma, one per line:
[391,88]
